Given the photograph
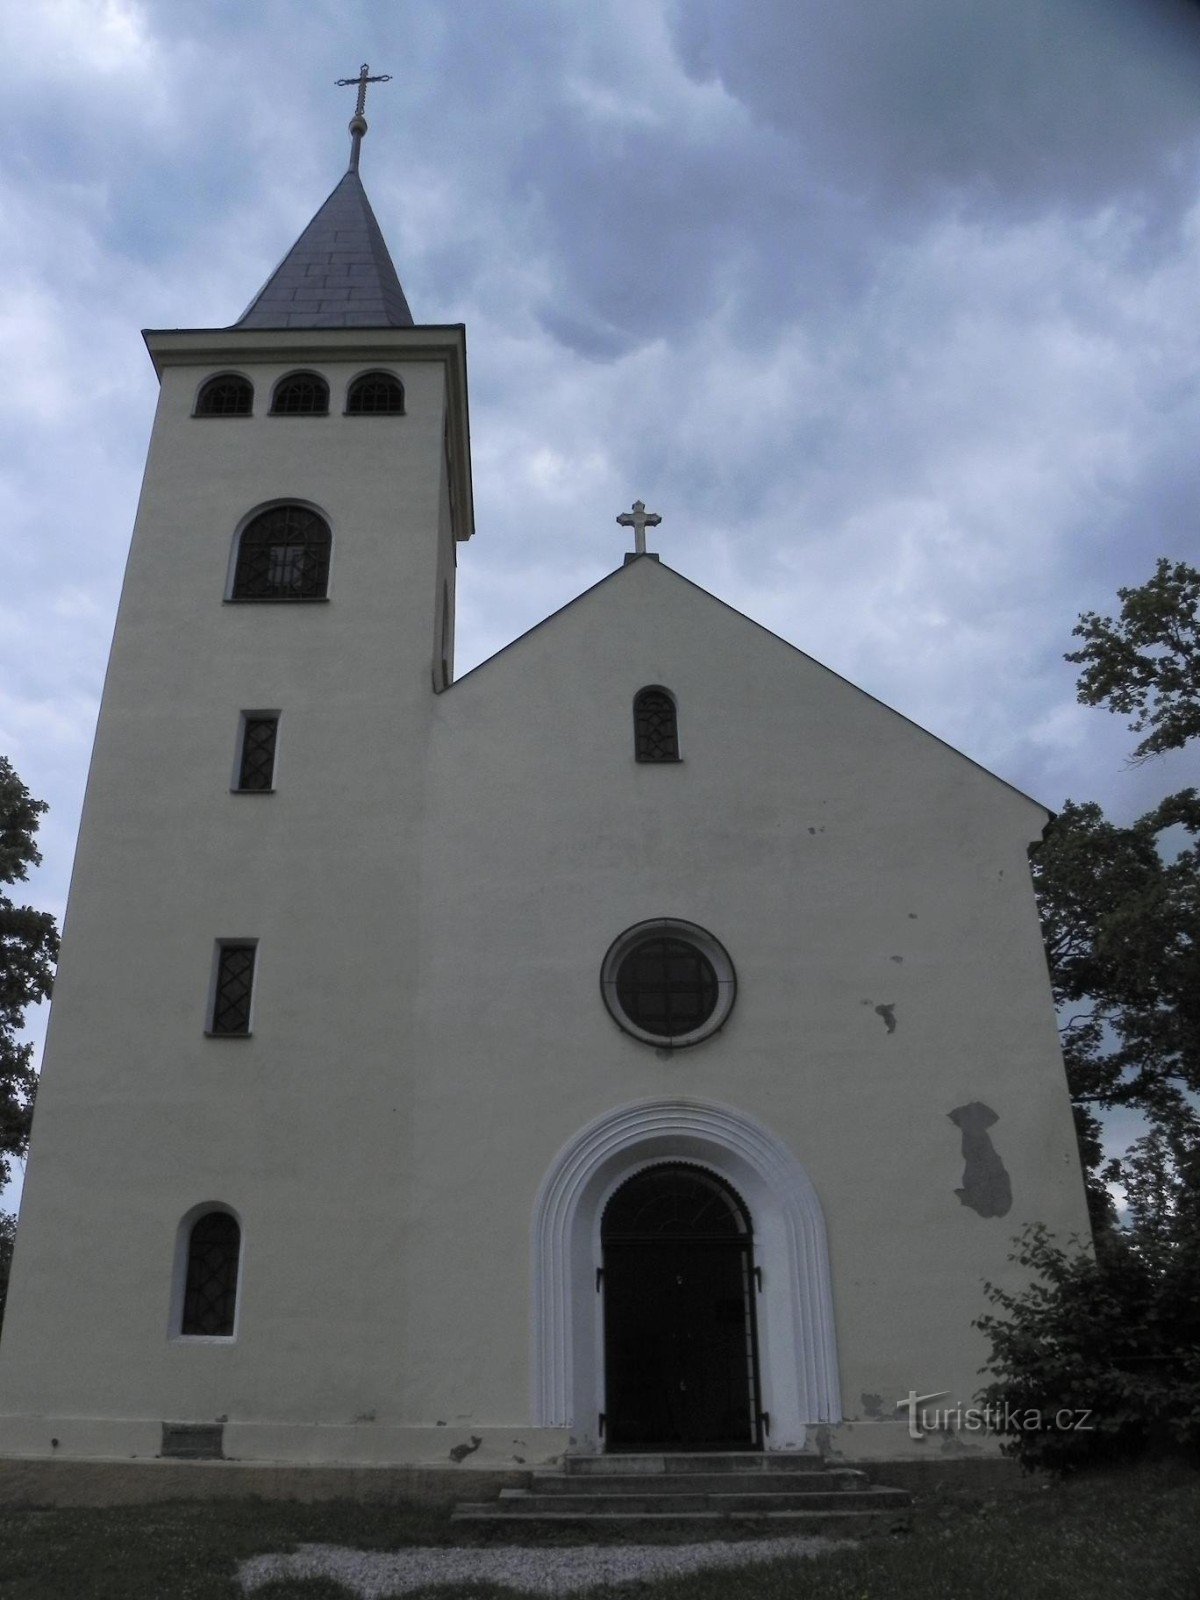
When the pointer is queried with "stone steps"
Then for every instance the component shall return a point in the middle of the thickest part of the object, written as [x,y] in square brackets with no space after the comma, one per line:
[705,1488]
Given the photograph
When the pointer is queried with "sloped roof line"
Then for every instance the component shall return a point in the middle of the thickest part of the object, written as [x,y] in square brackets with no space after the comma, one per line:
[762,628]
[338,274]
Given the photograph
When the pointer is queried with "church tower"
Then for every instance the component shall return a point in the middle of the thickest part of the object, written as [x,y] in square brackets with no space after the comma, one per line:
[235,979]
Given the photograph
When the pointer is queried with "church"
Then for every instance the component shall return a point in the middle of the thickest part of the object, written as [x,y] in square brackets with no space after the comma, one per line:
[642,1042]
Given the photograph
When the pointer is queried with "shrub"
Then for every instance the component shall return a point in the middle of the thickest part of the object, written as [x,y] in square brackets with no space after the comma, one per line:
[1115,1334]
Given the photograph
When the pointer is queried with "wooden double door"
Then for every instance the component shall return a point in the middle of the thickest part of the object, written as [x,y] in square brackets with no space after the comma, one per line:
[680,1337]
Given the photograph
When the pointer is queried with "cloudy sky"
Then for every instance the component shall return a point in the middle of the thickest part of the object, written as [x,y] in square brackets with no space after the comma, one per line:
[889,309]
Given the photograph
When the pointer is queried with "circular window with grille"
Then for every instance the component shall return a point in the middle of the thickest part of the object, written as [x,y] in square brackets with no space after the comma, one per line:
[668,983]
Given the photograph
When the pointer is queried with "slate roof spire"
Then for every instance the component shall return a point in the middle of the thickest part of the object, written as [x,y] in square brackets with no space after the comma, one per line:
[338,274]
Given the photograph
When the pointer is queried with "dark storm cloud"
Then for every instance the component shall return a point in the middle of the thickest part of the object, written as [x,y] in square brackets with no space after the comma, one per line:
[1016,106]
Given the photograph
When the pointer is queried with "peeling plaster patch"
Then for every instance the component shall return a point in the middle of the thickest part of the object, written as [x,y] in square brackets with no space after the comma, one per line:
[462,1451]
[888,1013]
[439,1423]
[912,916]
[986,1186]
[895,958]
[872,1405]
[823,1439]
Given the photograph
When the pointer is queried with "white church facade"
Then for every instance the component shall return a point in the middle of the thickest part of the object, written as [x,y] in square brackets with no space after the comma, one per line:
[642,1041]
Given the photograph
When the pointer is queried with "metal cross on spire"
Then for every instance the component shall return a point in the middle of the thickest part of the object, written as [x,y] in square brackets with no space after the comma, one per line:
[358,122]
[639,519]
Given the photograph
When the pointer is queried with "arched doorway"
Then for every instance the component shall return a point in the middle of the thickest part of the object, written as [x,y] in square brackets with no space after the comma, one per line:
[680,1341]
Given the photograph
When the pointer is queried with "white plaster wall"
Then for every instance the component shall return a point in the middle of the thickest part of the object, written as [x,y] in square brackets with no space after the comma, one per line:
[434,886]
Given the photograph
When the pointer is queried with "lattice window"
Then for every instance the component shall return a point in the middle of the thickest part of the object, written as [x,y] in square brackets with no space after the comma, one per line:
[302,394]
[256,770]
[235,982]
[375,394]
[673,1202]
[667,986]
[210,1289]
[655,728]
[225,396]
[283,555]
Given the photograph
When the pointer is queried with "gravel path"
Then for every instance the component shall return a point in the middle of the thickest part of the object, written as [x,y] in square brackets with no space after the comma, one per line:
[376,1574]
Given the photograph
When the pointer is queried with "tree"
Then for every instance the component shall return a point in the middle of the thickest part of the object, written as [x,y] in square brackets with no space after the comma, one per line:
[28,950]
[1147,663]
[8,1234]
[1121,918]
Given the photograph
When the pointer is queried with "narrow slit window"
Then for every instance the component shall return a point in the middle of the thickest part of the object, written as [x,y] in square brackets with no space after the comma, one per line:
[655,726]
[256,766]
[234,986]
[210,1288]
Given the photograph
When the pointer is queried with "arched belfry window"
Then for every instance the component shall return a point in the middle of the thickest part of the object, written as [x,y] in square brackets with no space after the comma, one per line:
[375,394]
[300,394]
[226,395]
[211,1277]
[283,554]
[655,725]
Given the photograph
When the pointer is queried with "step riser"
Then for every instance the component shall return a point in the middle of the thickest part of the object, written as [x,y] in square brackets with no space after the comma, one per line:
[604,1466]
[697,1483]
[841,1525]
[587,1505]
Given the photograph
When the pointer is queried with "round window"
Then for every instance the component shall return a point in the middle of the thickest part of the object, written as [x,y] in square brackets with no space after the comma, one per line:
[668,983]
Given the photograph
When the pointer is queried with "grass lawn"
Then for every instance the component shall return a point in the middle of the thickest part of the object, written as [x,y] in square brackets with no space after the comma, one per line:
[1113,1536]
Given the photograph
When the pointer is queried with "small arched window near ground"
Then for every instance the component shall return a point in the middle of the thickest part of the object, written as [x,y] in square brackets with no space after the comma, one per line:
[211,1281]
[655,725]
[226,395]
[668,983]
[375,394]
[283,554]
[300,394]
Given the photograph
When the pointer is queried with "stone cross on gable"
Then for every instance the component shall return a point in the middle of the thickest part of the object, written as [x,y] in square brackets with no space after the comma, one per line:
[639,519]
[358,122]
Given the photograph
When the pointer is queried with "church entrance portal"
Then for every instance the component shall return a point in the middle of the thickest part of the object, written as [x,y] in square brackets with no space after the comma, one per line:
[680,1345]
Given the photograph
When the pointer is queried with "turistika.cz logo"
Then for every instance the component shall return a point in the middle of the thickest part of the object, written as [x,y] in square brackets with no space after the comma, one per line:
[986,1419]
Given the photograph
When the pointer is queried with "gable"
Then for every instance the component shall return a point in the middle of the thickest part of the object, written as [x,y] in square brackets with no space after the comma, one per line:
[752,707]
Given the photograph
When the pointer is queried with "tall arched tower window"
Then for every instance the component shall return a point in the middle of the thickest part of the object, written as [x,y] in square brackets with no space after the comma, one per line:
[655,725]
[283,554]
[210,1285]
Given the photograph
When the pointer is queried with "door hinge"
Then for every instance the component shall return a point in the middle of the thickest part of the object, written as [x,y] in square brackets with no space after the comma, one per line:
[603,1420]
[764,1422]
[758,1278]
[599,1278]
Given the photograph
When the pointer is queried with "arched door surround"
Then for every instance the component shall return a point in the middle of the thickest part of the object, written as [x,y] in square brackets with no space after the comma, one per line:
[796,1343]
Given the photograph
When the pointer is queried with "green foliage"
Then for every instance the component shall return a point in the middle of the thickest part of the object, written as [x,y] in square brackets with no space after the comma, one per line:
[1146,664]
[1122,931]
[28,950]
[8,1233]
[1115,1334]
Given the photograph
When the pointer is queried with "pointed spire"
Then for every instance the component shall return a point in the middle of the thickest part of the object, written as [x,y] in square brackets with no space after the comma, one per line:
[338,274]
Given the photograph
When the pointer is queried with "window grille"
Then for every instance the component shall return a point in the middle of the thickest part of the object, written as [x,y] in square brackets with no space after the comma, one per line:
[667,986]
[283,555]
[257,767]
[303,394]
[676,1202]
[655,729]
[227,396]
[375,394]
[235,981]
[210,1290]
